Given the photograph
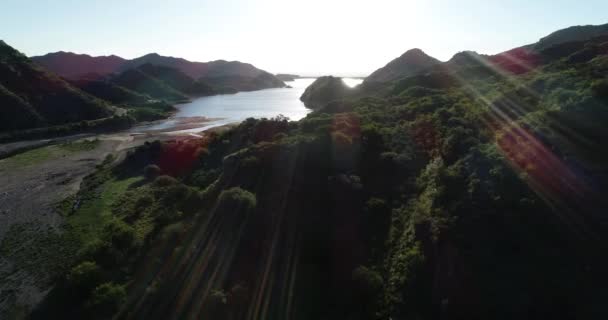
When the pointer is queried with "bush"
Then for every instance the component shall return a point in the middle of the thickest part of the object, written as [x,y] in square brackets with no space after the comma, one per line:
[85,276]
[144,202]
[175,194]
[106,299]
[151,171]
[215,306]
[368,285]
[164,181]
[600,88]
[237,199]
[119,234]
[203,178]
[172,230]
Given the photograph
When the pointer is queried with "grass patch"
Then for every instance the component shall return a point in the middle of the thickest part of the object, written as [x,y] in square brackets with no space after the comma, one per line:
[78,146]
[39,155]
[95,208]
[31,157]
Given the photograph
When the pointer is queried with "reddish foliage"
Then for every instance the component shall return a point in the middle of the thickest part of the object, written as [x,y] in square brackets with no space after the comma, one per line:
[426,136]
[548,172]
[516,61]
[178,156]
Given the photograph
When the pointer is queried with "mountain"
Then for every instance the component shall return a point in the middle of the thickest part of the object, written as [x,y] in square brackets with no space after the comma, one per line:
[324,90]
[177,79]
[32,97]
[574,33]
[73,66]
[410,63]
[140,81]
[226,76]
[109,91]
[556,45]
[287,76]
[220,74]
[192,69]
[235,82]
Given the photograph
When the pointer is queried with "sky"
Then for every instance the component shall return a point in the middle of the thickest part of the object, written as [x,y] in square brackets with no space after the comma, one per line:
[308,37]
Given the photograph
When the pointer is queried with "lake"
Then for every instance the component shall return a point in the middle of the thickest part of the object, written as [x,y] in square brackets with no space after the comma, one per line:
[223,109]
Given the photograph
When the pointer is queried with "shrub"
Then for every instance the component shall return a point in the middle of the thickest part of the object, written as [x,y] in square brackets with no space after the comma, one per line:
[172,230]
[237,199]
[107,298]
[85,276]
[164,181]
[368,285]
[119,234]
[144,202]
[151,171]
[175,194]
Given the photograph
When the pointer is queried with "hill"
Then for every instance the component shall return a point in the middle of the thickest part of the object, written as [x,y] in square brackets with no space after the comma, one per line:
[32,97]
[177,80]
[219,74]
[224,76]
[140,81]
[75,66]
[410,63]
[571,34]
[324,90]
[287,77]
[516,61]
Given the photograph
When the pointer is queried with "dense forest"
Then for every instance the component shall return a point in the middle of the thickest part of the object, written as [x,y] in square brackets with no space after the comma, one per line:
[472,190]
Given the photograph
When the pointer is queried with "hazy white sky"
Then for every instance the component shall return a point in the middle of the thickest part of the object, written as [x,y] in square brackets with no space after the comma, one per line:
[341,37]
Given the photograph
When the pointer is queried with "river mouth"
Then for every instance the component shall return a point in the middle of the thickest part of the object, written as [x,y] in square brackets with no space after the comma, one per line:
[214,111]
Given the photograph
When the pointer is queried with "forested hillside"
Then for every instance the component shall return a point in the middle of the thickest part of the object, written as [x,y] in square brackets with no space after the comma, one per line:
[473,191]
[32,97]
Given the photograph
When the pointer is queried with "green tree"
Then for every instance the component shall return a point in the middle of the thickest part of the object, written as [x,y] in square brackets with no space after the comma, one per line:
[106,299]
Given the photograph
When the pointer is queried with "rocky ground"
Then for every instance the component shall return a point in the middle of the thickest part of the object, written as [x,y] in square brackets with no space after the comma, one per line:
[34,178]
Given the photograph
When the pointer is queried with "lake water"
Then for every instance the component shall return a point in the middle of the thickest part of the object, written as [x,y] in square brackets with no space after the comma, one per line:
[224,109]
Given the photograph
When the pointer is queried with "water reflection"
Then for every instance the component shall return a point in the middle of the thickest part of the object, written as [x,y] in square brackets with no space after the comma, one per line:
[208,112]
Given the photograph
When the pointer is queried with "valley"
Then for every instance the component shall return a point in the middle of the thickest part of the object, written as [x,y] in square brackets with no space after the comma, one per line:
[162,188]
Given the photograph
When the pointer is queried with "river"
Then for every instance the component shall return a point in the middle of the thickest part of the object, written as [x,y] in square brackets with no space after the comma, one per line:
[208,112]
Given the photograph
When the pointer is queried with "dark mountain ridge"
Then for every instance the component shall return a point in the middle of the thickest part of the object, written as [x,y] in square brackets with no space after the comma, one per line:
[74,66]
[33,97]
[236,75]
[515,61]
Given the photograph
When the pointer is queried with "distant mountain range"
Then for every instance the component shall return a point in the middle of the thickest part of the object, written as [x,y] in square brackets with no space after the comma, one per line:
[223,75]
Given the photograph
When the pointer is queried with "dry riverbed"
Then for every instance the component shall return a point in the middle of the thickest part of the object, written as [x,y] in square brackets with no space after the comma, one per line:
[34,177]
